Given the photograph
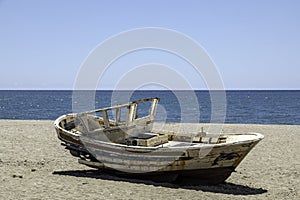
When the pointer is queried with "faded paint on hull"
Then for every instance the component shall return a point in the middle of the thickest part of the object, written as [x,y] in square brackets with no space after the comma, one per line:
[169,160]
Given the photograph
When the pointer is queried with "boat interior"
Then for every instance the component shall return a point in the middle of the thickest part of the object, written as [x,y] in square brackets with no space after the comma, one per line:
[126,124]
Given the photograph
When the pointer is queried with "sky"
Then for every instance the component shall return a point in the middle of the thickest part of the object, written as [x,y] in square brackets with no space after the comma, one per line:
[254,44]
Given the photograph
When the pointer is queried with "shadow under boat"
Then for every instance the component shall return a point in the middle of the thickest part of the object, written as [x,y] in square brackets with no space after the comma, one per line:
[224,188]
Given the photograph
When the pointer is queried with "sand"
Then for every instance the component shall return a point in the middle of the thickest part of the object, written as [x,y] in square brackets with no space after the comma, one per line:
[33,165]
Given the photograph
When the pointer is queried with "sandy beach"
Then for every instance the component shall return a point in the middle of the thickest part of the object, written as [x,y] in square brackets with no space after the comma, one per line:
[35,166]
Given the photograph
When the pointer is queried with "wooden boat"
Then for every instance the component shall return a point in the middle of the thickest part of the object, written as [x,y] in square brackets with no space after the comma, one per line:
[121,139]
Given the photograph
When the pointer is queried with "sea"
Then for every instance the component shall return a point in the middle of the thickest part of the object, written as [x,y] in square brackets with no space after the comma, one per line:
[238,106]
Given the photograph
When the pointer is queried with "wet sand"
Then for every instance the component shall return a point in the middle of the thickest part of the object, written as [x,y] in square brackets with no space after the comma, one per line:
[33,165]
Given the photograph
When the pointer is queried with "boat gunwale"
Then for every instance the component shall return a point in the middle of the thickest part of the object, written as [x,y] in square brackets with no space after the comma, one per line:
[190,146]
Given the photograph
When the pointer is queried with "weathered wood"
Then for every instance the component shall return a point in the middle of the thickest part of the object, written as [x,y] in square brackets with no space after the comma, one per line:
[132,147]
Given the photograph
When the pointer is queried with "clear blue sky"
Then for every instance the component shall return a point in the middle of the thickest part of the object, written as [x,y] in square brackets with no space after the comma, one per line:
[255,44]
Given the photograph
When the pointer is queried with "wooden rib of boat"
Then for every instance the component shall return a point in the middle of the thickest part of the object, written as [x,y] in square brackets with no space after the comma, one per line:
[121,139]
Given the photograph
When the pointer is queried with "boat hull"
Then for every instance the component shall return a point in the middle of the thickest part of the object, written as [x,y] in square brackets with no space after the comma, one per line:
[191,165]
[188,166]
[134,159]
[186,177]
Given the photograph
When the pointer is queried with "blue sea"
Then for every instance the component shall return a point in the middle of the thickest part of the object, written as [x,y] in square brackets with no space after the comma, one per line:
[252,107]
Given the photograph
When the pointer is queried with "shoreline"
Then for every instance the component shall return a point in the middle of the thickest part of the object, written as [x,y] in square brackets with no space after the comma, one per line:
[35,165]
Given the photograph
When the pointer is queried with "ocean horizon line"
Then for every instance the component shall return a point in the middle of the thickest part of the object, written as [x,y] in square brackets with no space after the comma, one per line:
[109,90]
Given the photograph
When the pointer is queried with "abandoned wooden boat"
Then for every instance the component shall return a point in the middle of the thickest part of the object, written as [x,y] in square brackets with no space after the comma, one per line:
[121,139]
